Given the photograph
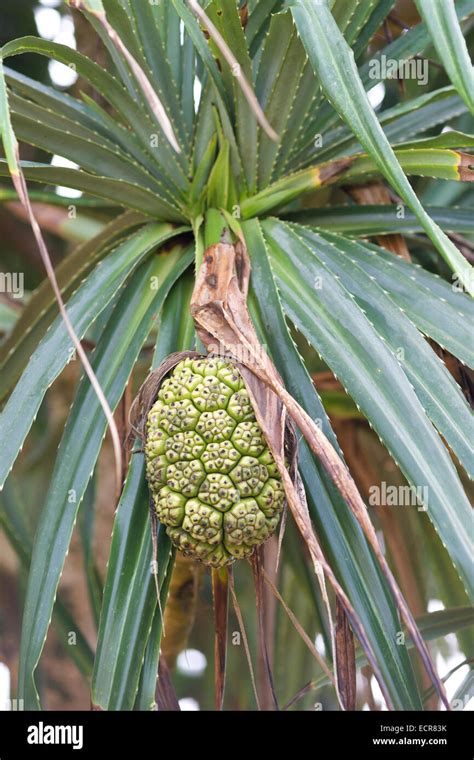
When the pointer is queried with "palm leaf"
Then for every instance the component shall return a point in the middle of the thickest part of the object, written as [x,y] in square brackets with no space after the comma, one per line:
[342,537]
[448,39]
[113,360]
[330,54]
[130,593]
[365,357]
[369,220]
[450,326]
[54,351]
[41,310]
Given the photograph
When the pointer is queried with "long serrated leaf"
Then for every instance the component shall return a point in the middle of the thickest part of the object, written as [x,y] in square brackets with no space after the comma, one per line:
[346,339]
[104,82]
[430,162]
[93,147]
[438,163]
[202,48]
[112,91]
[113,361]
[40,310]
[226,18]
[400,123]
[115,190]
[59,102]
[229,57]
[87,113]
[435,387]
[448,39]
[175,334]
[406,46]
[291,62]
[161,64]
[55,350]
[305,102]
[371,219]
[397,277]
[80,148]
[130,594]
[333,61]
[20,540]
[342,538]
[150,96]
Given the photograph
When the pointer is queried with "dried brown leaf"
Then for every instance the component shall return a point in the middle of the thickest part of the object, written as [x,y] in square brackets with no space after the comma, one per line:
[345,659]
[166,699]
[268,695]
[299,628]
[220,595]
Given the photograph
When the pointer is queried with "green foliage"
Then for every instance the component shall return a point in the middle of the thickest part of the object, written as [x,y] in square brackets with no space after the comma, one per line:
[322,296]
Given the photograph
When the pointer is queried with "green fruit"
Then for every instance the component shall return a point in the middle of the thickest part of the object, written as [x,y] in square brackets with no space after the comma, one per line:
[212,477]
